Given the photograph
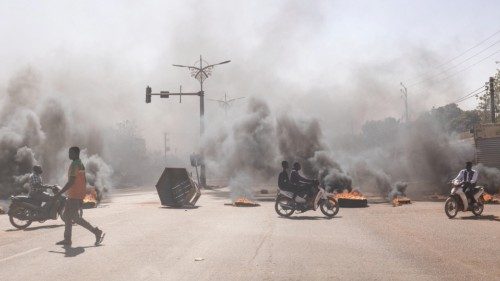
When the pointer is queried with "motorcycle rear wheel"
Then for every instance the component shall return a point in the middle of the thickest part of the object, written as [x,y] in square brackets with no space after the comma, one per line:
[329,207]
[282,210]
[18,223]
[451,207]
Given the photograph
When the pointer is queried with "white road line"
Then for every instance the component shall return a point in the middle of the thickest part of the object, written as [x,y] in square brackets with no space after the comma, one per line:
[20,254]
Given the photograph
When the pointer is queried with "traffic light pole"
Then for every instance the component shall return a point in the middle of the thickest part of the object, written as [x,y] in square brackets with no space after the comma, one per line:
[201,94]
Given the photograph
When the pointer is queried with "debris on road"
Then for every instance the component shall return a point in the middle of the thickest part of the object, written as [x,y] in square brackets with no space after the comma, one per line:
[176,188]
[243,202]
[400,200]
[199,259]
[353,199]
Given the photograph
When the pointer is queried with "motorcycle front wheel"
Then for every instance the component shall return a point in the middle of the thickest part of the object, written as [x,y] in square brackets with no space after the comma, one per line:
[329,207]
[14,217]
[478,208]
[451,207]
[283,206]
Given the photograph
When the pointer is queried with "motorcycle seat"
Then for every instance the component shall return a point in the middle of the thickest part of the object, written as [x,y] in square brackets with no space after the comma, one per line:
[24,198]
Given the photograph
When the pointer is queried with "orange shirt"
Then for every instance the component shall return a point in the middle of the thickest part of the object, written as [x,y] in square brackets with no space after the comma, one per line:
[79,187]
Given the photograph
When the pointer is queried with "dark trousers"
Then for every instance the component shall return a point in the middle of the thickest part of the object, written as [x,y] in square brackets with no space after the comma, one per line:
[72,214]
[470,190]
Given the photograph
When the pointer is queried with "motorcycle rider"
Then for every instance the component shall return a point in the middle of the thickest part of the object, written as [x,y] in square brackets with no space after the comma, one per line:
[37,188]
[301,182]
[284,181]
[468,178]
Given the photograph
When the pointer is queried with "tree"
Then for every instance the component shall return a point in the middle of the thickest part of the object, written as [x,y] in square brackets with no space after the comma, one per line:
[484,101]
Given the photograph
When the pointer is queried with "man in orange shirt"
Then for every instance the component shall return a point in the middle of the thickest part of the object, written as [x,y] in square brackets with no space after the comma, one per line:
[76,188]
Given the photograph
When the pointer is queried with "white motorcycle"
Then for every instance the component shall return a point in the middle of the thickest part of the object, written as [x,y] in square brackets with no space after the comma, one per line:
[285,206]
[458,201]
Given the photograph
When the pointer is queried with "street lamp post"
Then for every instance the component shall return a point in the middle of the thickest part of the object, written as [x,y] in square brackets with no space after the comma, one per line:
[201,73]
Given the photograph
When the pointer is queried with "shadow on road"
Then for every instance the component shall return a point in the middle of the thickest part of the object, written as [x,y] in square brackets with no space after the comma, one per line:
[70,252]
[310,218]
[482,218]
[179,208]
[36,227]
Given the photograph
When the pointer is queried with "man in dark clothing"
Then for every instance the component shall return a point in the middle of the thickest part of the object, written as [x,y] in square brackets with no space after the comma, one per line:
[303,183]
[76,190]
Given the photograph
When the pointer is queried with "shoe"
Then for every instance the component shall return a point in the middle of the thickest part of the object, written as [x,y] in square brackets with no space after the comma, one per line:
[64,243]
[99,236]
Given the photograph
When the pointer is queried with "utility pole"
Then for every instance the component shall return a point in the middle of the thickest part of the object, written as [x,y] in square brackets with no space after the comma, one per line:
[166,141]
[201,73]
[492,99]
[404,91]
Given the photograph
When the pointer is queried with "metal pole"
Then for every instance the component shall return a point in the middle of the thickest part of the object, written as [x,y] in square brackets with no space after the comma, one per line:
[203,178]
[405,94]
[492,99]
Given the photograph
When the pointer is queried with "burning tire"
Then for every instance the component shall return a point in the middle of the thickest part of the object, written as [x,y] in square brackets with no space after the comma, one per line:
[329,207]
[283,207]
[15,221]
[451,207]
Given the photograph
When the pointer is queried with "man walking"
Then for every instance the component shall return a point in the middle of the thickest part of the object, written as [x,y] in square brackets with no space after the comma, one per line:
[76,188]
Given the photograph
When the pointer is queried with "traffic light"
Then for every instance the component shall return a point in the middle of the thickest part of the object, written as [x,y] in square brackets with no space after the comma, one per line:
[148,94]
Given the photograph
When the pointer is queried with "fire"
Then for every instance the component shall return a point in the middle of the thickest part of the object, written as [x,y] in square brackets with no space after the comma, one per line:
[90,200]
[488,198]
[398,201]
[353,195]
[244,202]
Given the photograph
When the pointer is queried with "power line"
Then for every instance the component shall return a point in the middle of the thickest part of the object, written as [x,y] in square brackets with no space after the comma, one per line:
[456,65]
[468,67]
[461,54]
[471,93]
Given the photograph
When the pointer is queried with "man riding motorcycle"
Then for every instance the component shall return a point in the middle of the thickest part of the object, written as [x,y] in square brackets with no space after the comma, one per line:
[468,178]
[285,184]
[301,182]
[37,188]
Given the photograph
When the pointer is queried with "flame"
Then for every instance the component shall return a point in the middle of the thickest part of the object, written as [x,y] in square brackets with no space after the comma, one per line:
[353,195]
[242,201]
[91,197]
[487,197]
[400,200]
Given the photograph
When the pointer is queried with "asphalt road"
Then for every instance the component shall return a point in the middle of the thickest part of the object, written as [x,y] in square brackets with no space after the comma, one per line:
[218,242]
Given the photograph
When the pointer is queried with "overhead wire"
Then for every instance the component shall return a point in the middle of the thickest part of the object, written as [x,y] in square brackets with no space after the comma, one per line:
[458,56]
[455,66]
[470,93]
[466,68]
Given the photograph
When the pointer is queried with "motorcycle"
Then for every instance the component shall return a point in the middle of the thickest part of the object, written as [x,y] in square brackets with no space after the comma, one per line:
[458,201]
[285,206]
[24,210]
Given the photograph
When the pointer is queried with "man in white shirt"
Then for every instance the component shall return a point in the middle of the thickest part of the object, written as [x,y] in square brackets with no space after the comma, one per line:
[468,178]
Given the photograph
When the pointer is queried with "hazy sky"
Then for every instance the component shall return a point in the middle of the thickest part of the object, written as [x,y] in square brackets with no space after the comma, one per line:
[298,54]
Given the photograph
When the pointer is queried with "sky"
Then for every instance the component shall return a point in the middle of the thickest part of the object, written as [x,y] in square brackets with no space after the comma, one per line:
[338,61]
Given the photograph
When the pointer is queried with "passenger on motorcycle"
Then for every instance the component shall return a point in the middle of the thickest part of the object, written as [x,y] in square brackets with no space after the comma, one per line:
[301,182]
[284,180]
[37,188]
[468,178]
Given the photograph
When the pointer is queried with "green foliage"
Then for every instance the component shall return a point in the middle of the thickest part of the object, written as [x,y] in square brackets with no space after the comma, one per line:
[484,101]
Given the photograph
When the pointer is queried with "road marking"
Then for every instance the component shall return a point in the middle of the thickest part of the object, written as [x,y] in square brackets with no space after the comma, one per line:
[20,254]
